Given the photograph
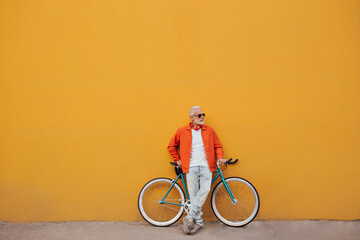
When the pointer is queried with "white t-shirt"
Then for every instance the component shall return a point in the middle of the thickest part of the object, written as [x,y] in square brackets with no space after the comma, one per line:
[198,153]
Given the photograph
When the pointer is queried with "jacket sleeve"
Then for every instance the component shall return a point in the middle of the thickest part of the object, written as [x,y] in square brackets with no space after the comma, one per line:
[218,147]
[173,144]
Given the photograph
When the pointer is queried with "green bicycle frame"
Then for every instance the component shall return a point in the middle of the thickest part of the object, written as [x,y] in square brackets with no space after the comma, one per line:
[181,175]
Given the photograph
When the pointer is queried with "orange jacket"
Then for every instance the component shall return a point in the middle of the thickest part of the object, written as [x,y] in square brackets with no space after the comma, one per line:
[183,139]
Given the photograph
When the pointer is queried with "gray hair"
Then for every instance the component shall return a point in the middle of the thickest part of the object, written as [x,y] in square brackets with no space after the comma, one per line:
[192,109]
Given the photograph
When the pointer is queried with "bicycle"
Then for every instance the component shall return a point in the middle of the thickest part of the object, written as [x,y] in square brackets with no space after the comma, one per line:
[234,200]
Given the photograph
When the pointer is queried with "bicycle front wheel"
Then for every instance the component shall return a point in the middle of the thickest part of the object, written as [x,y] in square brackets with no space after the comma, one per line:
[245,208]
[156,209]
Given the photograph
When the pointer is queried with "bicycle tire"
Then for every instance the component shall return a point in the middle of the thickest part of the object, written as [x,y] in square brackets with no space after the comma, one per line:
[150,208]
[244,210]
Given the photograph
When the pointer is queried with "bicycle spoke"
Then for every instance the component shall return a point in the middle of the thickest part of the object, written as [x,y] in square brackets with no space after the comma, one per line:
[172,208]
[172,200]
[246,207]
[154,193]
[240,209]
[250,200]
[151,198]
[226,194]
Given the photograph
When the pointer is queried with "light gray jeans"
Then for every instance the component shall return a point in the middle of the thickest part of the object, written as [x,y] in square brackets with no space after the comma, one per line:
[199,183]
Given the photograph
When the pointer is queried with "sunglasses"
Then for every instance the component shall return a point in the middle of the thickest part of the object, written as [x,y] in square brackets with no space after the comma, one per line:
[200,115]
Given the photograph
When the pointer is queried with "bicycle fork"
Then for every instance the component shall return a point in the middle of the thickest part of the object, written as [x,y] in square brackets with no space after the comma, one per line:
[233,199]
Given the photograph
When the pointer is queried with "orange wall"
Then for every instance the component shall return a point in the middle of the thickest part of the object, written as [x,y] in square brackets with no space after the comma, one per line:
[92,91]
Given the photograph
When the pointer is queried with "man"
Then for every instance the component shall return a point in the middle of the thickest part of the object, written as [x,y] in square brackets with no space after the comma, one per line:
[198,144]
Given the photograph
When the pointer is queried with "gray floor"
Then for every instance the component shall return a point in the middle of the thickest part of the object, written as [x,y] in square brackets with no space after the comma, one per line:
[289,230]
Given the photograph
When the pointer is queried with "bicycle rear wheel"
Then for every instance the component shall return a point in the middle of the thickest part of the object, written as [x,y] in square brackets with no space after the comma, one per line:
[157,213]
[245,208]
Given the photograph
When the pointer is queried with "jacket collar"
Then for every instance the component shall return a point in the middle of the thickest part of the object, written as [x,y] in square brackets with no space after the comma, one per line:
[188,127]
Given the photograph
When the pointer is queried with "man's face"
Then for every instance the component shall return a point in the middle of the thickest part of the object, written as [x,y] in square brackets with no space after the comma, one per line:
[195,119]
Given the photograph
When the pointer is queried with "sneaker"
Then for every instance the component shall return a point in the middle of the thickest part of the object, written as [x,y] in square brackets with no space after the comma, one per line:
[196,229]
[188,225]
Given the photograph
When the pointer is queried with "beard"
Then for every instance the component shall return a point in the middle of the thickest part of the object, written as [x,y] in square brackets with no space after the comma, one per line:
[199,122]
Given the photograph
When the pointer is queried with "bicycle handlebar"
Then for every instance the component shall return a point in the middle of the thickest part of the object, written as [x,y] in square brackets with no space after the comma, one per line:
[231,162]
[228,162]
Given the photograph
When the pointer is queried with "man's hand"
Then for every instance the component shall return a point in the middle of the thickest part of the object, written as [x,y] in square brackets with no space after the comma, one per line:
[221,161]
[179,163]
